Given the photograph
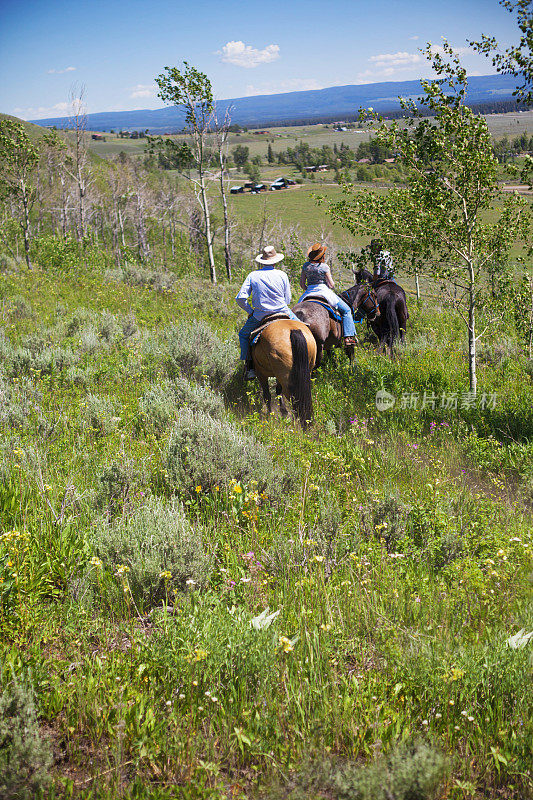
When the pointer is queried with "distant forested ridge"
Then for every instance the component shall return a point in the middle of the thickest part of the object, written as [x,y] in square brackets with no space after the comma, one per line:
[488,93]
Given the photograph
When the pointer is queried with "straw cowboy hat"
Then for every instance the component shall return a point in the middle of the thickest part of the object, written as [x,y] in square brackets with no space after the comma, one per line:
[269,256]
[316,252]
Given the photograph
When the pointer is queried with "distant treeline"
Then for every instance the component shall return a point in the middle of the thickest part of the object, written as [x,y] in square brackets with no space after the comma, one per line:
[489,107]
[505,148]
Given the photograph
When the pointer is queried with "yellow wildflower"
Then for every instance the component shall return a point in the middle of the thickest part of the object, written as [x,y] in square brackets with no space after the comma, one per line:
[285,644]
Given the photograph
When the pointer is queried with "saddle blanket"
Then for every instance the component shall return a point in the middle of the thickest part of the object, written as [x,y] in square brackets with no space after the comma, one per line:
[265,322]
[331,311]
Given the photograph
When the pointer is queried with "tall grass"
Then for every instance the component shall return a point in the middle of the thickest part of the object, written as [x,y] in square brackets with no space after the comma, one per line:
[208,602]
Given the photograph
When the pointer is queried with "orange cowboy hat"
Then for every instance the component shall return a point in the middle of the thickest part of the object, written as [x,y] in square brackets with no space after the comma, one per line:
[317,252]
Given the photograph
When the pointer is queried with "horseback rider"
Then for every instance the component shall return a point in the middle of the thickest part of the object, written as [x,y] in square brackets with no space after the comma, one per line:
[382,261]
[265,291]
[316,279]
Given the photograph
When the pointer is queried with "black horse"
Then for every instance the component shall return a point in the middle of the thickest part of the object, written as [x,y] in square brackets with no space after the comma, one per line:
[326,330]
[392,321]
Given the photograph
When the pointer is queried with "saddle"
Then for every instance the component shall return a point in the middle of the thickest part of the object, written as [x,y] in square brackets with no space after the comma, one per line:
[321,302]
[265,322]
[382,282]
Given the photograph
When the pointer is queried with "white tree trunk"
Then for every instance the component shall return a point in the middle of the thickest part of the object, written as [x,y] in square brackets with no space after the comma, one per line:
[207,221]
[472,373]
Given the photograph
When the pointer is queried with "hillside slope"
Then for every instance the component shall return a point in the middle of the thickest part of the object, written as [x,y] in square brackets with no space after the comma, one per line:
[33,130]
[206,602]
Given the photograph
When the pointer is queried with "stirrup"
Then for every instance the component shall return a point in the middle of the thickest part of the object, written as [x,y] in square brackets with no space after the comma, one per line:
[350,341]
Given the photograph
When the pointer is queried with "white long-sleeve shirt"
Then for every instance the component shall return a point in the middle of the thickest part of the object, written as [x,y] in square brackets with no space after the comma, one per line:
[265,291]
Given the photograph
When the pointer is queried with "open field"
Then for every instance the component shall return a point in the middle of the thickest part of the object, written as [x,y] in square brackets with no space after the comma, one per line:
[200,600]
[511,124]
[392,549]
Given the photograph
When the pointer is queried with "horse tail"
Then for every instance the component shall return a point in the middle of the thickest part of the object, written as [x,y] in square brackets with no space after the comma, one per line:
[402,315]
[300,379]
[391,321]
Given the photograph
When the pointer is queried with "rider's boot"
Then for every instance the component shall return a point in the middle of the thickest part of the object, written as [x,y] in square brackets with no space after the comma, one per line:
[350,341]
[249,372]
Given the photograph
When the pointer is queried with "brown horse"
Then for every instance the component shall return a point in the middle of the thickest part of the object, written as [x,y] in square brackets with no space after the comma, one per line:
[326,330]
[392,322]
[286,351]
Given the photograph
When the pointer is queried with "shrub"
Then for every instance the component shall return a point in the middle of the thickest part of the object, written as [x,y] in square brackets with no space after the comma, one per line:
[157,538]
[410,772]
[99,414]
[195,351]
[49,360]
[79,377]
[160,404]
[208,299]
[7,264]
[17,403]
[19,308]
[120,487]
[80,317]
[139,276]
[109,328]
[129,325]
[498,352]
[89,339]
[56,253]
[387,520]
[209,452]
[25,757]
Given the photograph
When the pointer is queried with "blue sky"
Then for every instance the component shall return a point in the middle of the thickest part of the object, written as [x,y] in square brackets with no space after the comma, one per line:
[115,48]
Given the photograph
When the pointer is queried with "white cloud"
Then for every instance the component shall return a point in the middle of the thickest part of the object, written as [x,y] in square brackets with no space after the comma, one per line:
[61,71]
[391,66]
[400,59]
[413,38]
[143,90]
[244,55]
[43,112]
[291,85]
[459,51]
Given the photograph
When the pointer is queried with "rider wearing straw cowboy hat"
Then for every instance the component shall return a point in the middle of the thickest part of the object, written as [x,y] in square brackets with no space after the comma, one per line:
[265,291]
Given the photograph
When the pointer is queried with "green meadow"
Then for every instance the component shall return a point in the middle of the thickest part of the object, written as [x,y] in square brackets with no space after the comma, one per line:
[199,601]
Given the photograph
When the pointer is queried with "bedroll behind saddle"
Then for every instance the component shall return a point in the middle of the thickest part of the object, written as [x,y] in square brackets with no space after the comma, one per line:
[321,302]
[265,322]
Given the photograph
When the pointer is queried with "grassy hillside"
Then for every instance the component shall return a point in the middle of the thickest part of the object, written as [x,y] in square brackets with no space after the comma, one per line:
[33,131]
[206,602]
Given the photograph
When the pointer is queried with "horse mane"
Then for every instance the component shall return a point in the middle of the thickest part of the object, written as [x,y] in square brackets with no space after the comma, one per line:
[363,275]
[350,295]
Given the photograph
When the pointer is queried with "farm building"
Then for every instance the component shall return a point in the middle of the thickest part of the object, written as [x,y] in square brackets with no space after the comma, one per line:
[281,183]
[98,137]
[236,189]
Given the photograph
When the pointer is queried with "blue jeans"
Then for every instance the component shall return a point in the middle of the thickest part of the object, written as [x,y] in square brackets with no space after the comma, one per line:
[250,325]
[348,325]
[321,290]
